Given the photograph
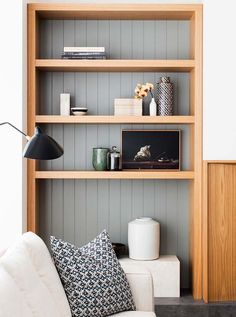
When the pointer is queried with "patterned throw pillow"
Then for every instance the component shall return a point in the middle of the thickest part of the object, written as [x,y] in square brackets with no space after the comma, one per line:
[94,282]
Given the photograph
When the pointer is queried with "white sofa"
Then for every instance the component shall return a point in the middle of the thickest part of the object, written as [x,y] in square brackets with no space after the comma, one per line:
[30,285]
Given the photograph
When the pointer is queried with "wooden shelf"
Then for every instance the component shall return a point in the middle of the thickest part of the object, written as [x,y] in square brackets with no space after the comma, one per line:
[115,11]
[134,174]
[116,119]
[115,65]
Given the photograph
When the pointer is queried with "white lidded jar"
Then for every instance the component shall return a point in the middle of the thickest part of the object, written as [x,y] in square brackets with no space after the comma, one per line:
[144,239]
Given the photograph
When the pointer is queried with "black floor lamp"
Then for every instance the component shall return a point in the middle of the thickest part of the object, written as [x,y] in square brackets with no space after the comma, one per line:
[40,146]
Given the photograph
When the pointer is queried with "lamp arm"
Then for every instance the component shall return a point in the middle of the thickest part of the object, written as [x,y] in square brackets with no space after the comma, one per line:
[26,136]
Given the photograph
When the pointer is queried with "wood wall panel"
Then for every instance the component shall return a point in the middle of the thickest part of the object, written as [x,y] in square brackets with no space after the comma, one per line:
[221,232]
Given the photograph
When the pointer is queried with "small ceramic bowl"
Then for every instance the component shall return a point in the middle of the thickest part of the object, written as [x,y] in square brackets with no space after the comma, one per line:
[79,111]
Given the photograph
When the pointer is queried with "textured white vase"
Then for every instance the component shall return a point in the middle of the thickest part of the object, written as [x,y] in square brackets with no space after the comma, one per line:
[144,239]
[153,108]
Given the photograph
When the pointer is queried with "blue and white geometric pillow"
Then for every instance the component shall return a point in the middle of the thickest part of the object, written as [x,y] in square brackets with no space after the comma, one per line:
[94,282]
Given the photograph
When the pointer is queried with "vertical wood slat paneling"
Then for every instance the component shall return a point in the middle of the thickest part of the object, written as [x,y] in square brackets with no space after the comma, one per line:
[80,227]
[221,239]
[90,136]
[97,91]
[103,205]
[45,207]
[125,208]
[69,210]
[91,206]
[78,210]
[122,38]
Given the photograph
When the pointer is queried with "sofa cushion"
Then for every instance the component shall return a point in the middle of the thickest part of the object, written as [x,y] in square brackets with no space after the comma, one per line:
[29,283]
[94,282]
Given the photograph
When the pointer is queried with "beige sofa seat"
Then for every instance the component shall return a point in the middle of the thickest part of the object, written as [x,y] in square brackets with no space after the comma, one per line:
[30,285]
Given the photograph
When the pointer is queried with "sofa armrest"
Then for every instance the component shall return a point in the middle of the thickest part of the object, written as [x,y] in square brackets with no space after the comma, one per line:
[141,285]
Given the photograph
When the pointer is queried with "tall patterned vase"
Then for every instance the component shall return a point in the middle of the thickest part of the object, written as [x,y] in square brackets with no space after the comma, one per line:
[165,95]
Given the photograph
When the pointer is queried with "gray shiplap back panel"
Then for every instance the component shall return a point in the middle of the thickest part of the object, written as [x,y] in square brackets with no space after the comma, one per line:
[122,39]
[97,91]
[79,140]
[77,210]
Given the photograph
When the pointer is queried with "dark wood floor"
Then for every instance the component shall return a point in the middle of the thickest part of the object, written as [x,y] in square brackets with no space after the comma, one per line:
[185,306]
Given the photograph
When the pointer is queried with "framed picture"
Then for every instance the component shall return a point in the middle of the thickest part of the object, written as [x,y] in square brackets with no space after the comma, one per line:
[151,149]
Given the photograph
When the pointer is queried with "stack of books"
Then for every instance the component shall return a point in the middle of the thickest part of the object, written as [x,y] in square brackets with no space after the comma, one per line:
[84,53]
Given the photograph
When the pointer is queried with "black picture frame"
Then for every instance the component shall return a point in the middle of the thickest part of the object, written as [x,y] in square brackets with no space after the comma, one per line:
[163,153]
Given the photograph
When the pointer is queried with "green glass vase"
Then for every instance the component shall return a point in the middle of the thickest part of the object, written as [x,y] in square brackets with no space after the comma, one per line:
[100,158]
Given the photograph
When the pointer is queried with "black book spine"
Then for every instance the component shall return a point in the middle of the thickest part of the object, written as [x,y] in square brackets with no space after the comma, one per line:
[83,57]
[83,54]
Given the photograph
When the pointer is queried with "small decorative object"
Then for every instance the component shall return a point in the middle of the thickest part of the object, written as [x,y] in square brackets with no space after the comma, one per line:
[153,108]
[65,104]
[143,154]
[100,158]
[142,91]
[119,248]
[144,239]
[151,149]
[128,107]
[165,94]
[114,159]
[79,111]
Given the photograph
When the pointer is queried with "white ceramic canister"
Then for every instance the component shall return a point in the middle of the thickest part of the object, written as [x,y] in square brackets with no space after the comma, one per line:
[144,239]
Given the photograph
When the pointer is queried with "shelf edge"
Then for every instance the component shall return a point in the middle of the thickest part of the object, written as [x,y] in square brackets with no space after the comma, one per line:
[115,119]
[114,175]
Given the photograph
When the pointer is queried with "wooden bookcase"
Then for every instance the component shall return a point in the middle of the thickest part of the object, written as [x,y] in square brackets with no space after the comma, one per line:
[192,13]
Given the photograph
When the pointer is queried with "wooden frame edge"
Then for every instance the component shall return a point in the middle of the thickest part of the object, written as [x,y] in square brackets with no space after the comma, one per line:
[115,6]
[205,231]
[31,99]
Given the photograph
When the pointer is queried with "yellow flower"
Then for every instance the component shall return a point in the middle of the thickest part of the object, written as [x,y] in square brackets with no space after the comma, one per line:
[142,93]
[150,85]
[145,88]
[137,90]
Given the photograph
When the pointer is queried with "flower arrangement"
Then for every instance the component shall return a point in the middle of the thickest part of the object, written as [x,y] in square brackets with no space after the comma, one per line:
[142,91]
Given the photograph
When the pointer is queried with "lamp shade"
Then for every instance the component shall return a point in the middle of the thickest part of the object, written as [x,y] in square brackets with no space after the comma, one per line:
[42,147]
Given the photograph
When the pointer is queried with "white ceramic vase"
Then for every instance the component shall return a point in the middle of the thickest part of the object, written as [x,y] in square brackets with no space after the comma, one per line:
[153,108]
[144,239]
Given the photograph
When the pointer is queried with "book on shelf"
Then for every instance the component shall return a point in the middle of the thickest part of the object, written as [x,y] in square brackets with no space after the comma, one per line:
[84,49]
[83,53]
[83,56]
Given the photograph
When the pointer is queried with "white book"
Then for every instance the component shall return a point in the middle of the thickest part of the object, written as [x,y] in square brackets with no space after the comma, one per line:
[83,49]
